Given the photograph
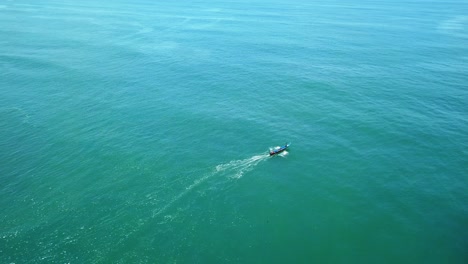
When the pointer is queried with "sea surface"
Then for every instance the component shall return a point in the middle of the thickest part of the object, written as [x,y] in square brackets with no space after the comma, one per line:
[138,131]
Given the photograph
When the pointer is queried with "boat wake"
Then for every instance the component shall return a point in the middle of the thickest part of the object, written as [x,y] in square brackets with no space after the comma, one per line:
[234,169]
[283,154]
[237,168]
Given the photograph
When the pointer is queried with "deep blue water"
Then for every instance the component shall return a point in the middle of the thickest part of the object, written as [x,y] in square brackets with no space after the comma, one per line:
[138,132]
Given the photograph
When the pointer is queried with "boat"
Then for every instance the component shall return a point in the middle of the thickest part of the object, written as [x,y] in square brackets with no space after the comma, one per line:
[278,150]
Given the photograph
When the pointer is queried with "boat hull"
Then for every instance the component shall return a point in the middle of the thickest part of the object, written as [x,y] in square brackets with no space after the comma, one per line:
[277,151]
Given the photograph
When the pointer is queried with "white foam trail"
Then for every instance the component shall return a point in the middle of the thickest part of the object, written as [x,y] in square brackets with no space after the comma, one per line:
[233,169]
[238,168]
[180,195]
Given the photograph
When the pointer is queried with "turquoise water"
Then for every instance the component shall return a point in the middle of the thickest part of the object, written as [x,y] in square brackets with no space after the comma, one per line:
[138,132]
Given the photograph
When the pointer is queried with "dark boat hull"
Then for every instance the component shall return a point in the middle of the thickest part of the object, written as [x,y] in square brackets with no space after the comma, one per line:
[277,151]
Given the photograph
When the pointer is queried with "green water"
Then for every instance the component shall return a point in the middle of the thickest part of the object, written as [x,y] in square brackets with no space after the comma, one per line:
[138,132]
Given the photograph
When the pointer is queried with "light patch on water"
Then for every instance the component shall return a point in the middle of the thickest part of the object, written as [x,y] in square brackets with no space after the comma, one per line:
[24,115]
[214,10]
[176,26]
[204,24]
[145,30]
[456,26]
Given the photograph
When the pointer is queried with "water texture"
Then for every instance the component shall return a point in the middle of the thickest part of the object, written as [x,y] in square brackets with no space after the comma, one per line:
[138,131]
